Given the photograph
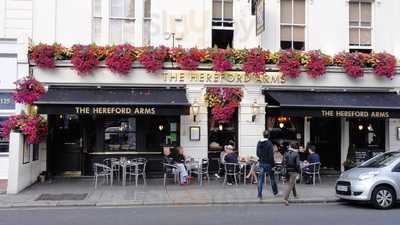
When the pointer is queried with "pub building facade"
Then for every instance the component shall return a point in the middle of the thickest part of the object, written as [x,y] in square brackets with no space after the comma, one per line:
[105,115]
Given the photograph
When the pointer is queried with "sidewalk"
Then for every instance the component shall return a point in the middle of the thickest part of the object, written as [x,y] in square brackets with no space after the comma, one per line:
[155,194]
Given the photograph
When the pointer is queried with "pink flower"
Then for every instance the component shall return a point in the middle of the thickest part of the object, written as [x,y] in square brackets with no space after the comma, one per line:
[33,126]
[28,90]
[120,60]
[84,59]
[220,63]
[288,64]
[153,59]
[43,56]
[187,62]
[316,65]
[384,65]
[254,63]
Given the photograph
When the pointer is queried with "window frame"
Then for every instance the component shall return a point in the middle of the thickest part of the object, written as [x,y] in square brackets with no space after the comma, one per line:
[360,27]
[225,24]
[146,19]
[292,25]
[119,133]
[99,17]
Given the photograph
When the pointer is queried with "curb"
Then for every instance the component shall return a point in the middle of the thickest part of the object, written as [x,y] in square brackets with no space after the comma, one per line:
[164,204]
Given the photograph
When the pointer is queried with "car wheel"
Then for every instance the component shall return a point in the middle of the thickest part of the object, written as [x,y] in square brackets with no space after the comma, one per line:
[383,197]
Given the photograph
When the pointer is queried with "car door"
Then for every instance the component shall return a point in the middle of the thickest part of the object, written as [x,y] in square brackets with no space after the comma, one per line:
[396,176]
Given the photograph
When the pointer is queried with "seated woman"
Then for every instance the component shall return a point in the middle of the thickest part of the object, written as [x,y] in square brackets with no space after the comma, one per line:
[180,164]
[252,175]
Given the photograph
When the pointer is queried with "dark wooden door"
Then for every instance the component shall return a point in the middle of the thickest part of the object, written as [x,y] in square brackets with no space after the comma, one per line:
[325,135]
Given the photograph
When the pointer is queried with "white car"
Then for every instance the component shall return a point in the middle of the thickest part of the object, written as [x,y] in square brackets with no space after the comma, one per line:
[376,181]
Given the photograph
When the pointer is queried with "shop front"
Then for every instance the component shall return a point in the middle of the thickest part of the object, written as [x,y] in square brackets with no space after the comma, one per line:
[335,122]
[89,124]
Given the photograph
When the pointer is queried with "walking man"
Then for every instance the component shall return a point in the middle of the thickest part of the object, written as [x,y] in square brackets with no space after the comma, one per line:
[265,154]
[292,164]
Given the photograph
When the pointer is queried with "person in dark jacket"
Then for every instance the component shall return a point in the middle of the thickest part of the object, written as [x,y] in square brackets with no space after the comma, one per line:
[265,154]
[292,164]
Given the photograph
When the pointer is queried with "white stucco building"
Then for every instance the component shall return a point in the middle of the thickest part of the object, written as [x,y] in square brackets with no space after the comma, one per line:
[329,26]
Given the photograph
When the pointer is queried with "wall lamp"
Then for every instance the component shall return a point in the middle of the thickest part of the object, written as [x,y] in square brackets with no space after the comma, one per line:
[195,110]
[254,110]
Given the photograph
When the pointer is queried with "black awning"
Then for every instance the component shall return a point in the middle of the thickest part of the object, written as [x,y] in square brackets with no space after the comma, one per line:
[334,104]
[129,101]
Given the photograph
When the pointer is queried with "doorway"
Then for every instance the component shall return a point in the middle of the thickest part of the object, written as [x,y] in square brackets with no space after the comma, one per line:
[65,142]
[325,135]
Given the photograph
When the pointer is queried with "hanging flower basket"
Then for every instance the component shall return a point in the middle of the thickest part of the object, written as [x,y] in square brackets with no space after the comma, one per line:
[221,60]
[43,56]
[223,102]
[28,90]
[34,127]
[315,63]
[289,63]
[121,58]
[384,65]
[153,58]
[255,62]
[84,58]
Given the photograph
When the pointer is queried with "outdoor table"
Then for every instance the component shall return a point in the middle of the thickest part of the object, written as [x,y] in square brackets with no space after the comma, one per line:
[123,163]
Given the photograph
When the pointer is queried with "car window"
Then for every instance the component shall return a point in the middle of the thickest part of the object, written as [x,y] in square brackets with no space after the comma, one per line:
[396,168]
[381,160]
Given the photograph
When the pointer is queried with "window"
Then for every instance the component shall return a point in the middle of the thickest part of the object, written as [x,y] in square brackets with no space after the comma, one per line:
[122,21]
[293,24]
[4,142]
[96,21]
[147,23]
[360,21]
[120,134]
[396,168]
[222,23]
[368,134]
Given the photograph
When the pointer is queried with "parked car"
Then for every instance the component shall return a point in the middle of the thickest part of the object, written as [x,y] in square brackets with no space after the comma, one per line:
[376,181]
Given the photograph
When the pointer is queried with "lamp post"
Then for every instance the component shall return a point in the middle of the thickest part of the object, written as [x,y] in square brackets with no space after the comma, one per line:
[195,110]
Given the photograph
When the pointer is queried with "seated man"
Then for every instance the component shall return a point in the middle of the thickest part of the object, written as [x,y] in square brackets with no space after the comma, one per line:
[230,157]
[180,164]
[313,157]
[222,155]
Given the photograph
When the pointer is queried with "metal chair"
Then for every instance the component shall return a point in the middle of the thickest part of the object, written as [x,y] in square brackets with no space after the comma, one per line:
[201,170]
[313,170]
[136,169]
[115,167]
[169,169]
[231,169]
[101,170]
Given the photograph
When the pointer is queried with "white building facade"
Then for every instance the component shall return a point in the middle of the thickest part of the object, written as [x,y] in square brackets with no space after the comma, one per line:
[329,26]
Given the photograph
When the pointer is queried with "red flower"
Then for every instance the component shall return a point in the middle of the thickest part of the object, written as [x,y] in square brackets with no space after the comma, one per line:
[384,64]
[255,62]
[43,56]
[316,65]
[289,63]
[33,126]
[153,58]
[229,100]
[28,90]
[84,58]
[353,63]
[120,60]
[220,62]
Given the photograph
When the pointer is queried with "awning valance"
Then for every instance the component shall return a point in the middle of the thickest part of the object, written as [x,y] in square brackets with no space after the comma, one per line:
[334,104]
[114,101]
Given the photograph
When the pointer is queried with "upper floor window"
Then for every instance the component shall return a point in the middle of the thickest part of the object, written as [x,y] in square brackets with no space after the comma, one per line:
[222,13]
[96,21]
[360,23]
[222,23]
[293,24]
[115,22]
[147,22]
[122,21]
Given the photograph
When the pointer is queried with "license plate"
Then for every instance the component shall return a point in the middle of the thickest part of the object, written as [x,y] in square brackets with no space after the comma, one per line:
[342,188]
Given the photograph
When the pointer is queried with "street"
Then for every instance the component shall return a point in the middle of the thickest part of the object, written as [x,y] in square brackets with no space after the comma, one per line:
[276,214]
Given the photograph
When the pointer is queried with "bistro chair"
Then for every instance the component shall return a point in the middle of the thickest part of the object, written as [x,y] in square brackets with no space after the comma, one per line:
[170,170]
[137,168]
[101,170]
[312,170]
[201,170]
[231,169]
[116,168]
